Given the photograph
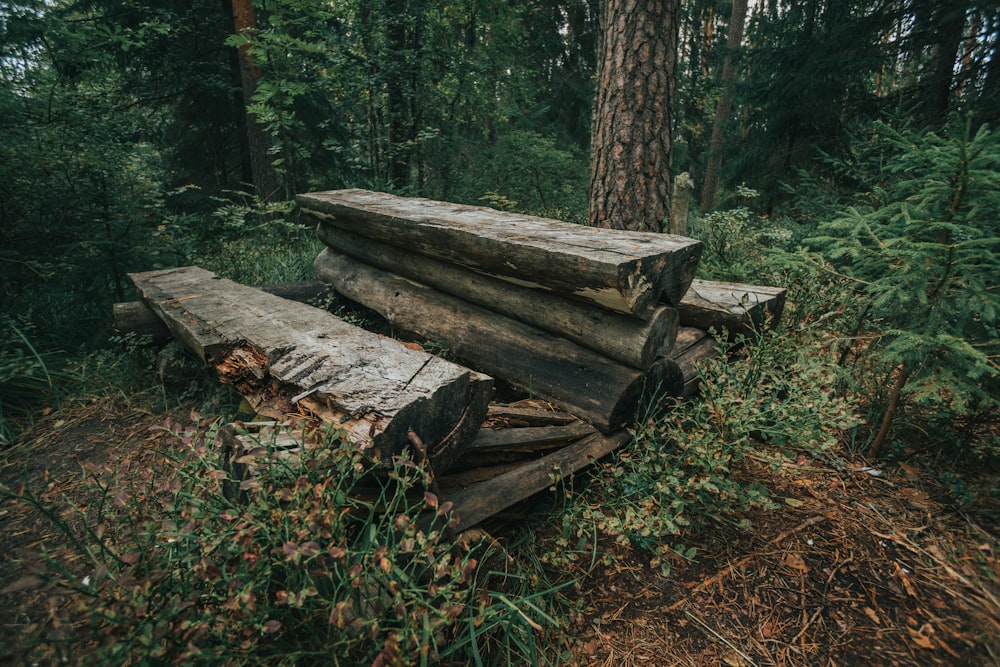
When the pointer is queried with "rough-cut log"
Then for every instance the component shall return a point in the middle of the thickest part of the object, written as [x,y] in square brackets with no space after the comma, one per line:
[735,307]
[624,271]
[483,500]
[138,318]
[693,345]
[285,356]
[589,385]
[624,338]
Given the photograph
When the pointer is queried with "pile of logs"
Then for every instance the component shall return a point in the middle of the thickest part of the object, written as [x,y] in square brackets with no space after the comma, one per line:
[592,320]
[589,323]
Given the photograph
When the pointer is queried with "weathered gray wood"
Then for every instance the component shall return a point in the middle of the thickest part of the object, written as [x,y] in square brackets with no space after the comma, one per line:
[735,307]
[138,318]
[693,346]
[625,338]
[590,386]
[624,271]
[287,357]
[528,439]
[483,500]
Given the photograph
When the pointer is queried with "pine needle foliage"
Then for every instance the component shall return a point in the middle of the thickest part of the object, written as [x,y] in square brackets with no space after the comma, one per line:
[923,247]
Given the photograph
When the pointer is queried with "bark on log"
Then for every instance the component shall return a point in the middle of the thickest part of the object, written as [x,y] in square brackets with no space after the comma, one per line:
[625,338]
[735,307]
[138,318]
[285,356]
[589,385]
[624,271]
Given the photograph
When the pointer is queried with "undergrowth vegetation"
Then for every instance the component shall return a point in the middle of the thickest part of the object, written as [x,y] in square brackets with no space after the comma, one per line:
[316,557]
[775,400]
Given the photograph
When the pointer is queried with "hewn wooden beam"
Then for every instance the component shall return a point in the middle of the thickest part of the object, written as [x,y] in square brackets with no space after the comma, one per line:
[580,381]
[737,308]
[624,271]
[138,318]
[288,357]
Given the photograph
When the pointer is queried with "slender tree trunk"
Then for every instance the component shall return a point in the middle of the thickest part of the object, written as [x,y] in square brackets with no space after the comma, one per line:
[265,179]
[737,22]
[895,394]
[633,113]
[941,24]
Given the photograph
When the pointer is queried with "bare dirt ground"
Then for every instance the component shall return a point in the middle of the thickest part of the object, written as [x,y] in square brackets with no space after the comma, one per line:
[853,569]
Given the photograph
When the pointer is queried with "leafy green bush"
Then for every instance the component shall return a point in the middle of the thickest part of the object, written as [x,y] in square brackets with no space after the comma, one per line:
[312,558]
[677,475]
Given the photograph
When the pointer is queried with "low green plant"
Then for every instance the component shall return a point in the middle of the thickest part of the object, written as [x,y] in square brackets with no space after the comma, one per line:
[737,241]
[313,558]
[678,473]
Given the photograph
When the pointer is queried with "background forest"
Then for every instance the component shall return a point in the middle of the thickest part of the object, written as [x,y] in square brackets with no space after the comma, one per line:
[846,150]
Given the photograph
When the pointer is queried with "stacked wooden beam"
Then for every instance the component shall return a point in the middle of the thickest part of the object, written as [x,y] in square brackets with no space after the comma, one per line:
[287,357]
[585,318]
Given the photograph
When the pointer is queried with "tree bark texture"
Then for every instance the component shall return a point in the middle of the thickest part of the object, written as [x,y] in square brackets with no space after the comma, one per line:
[589,385]
[287,357]
[625,271]
[737,22]
[623,338]
[265,179]
[633,115]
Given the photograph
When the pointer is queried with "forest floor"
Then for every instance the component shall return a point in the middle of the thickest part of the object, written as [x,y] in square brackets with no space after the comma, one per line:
[854,568]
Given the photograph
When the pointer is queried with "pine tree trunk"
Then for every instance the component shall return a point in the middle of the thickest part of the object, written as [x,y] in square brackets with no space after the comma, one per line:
[737,22]
[265,179]
[940,25]
[630,139]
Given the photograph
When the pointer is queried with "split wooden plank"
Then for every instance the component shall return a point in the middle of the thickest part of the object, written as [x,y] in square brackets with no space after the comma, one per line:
[591,386]
[530,438]
[286,357]
[628,272]
[740,309]
[136,317]
[481,501]
[625,338]
[529,415]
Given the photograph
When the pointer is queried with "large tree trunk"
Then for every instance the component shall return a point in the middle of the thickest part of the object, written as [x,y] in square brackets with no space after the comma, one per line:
[631,134]
[265,179]
[737,21]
